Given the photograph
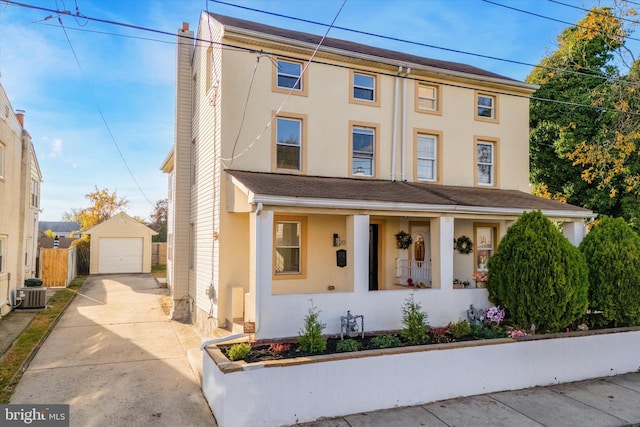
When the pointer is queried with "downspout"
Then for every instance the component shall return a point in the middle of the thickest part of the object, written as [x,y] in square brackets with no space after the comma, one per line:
[404,126]
[394,142]
[257,309]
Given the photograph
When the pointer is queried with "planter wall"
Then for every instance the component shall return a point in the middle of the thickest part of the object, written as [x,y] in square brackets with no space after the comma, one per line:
[299,390]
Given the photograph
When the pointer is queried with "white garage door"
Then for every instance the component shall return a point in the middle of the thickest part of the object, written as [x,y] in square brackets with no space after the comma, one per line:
[120,255]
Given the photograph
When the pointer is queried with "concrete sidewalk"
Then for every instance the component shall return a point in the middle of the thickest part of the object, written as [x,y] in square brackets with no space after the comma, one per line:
[117,360]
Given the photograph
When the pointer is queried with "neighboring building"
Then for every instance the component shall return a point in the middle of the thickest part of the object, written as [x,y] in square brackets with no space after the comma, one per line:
[20,180]
[60,228]
[120,244]
[288,187]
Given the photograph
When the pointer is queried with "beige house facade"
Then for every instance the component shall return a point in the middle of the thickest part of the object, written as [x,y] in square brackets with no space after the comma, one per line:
[295,175]
[120,244]
[20,181]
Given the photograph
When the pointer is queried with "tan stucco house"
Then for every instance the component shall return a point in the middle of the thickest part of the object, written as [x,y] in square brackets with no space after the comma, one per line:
[293,180]
[20,179]
[120,244]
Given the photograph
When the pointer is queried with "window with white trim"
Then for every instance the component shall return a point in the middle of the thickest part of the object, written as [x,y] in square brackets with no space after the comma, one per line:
[486,106]
[485,157]
[363,146]
[35,193]
[426,157]
[288,143]
[288,247]
[289,74]
[428,97]
[364,87]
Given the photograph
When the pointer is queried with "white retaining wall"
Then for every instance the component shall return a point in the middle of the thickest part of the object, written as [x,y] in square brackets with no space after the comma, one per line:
[257,395]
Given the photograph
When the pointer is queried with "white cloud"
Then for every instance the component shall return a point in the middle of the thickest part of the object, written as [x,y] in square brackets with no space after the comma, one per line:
[56,148]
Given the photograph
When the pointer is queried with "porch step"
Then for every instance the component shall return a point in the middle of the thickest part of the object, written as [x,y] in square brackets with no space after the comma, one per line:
[236,326]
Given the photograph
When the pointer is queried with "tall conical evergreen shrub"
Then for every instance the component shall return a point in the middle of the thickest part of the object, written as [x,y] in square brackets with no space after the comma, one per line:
[612,251]
[538,275]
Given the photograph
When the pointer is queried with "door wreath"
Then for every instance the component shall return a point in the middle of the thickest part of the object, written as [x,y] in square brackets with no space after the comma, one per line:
[464,245]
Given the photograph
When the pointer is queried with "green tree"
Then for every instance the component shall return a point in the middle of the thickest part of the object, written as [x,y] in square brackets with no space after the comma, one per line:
[612,252]
[583,148]
[538,276]
[159,220]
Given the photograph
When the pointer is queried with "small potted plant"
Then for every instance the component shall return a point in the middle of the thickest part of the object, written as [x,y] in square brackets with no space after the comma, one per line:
[457,284]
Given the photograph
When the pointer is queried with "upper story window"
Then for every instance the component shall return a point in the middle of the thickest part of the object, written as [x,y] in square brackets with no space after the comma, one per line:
[364,89]
[35,193]
[1,160]
[486,107]
[427,162]
[486,163]
[288,77]
[363,150]
[209,65]
[428,98]
[289,251]
[289,135]
[3,244]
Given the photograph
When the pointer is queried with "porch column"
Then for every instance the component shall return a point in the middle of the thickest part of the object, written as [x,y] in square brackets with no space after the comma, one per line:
[574,231]
[442,252]
[261,244]
[358,234]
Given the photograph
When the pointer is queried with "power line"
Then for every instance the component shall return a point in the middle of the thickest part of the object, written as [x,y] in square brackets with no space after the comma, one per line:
[104,120]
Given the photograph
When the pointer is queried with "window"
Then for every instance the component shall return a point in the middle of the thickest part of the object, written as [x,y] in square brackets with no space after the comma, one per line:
[288,134]
[486,163]
[427,98]
[3,244]
[35,193]
[486,107]
[193,162]
[289,144]
[1,161]
[288,243]
[363,150]
[209,64]
[288,77]
[364,89]
[486,236]
[427,151]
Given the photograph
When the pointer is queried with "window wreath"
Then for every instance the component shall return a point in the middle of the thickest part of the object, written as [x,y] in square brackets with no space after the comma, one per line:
[464,245]
[403,239]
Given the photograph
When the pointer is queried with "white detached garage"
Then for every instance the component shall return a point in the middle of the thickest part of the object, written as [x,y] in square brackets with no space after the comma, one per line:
[120,244]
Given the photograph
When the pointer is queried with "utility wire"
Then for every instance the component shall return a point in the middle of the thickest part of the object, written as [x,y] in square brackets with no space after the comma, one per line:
[104,120]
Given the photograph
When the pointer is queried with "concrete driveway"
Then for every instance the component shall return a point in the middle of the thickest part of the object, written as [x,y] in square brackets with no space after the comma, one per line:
[117,360]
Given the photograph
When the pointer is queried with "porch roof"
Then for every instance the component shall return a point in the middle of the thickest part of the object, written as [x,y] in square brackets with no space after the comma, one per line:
[355,193]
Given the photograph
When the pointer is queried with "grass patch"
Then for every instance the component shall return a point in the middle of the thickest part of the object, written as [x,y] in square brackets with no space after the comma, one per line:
[159,271]
[19,355]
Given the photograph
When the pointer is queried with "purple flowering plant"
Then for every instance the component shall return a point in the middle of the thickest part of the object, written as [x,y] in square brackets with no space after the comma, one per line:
[494,314]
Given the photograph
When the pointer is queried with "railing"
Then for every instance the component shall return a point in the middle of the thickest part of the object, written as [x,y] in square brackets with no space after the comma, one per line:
[417,271]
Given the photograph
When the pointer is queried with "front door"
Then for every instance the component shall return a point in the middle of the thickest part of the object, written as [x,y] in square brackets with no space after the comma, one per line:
[373,257]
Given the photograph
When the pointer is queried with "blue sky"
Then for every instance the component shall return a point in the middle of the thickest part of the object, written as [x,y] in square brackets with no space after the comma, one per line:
[125,77]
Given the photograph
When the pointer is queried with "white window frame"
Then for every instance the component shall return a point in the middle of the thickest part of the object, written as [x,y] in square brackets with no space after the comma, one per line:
[490,108]
[297,246]
[491,163]
[2,156]
[371,88]
[435,99]
[425,158]
[298,77]
[281,144]
[35,193]
[363,155]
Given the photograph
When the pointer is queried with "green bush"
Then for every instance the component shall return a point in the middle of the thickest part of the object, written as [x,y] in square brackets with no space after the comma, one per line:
[612,251]
[415,323]
[310,338]
[386,341]
[347,345]
[538,275]
[485,333]
[239,351]
[460,329]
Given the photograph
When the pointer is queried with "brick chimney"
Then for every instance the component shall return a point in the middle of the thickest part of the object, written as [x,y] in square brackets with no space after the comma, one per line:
[20,117]
[185,26]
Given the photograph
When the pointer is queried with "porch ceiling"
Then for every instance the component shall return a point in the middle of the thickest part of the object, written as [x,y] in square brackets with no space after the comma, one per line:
[350,193]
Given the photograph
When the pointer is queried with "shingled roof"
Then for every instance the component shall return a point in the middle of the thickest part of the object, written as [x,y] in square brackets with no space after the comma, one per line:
[356,47]
[404,195]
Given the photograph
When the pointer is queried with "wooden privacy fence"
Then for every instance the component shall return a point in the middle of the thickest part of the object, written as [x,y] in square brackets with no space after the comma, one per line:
[57,266]
[158,253]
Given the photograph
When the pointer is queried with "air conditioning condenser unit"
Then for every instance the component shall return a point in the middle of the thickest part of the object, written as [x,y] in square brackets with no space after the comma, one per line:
[31,298]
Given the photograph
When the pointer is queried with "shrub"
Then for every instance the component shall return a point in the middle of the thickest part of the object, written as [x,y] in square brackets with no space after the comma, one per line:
[279,348]
[239,351]
[486,332]
[347,345]
[439,335]
[612,252]
[538,276]
[460,329]
[386,341]
[415,322]
[310,338]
